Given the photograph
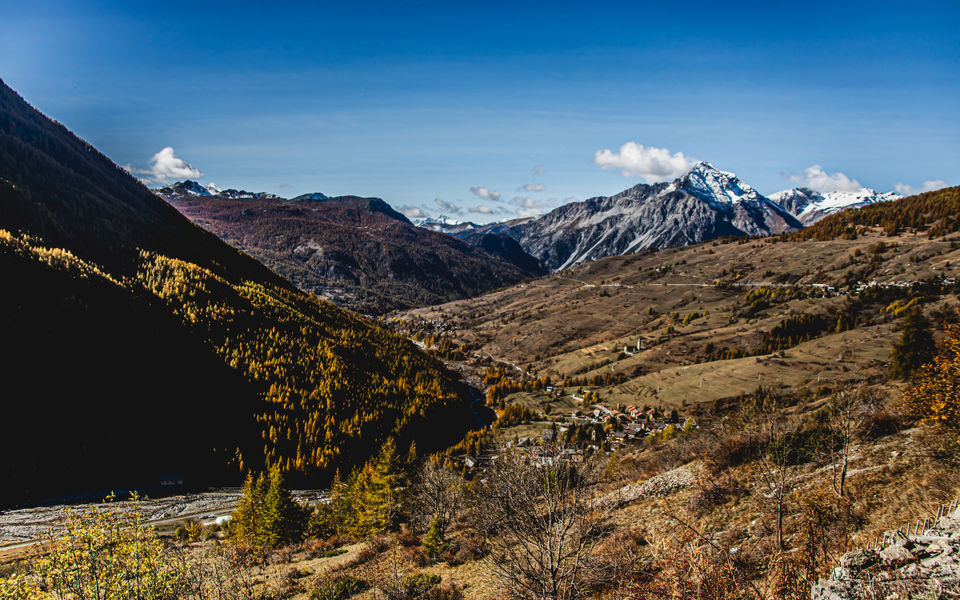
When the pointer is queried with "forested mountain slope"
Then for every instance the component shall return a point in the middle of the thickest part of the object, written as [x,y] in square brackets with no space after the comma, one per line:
[357,252]
[139,344]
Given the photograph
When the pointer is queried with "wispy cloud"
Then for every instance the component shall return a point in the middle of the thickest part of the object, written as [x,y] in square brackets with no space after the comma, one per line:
[650,163]
[486,194]
[532,187]
[413,212]
[527,202]
[166,165]
[814,177]
[539,170]
[531,207]
[927,186]
[448,207]
[481,209]
[529,212]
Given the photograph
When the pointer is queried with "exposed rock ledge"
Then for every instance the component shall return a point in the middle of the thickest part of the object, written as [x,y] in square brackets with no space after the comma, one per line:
[907,566]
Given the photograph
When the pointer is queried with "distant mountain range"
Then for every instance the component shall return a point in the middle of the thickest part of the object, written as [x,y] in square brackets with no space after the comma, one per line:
[703,203]
[810,206]
[357,252]
[317,248]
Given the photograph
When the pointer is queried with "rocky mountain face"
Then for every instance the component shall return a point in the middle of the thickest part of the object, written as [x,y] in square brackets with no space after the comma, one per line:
[809,206]
[904,566]
[357,252]
[444,224]
[702,204]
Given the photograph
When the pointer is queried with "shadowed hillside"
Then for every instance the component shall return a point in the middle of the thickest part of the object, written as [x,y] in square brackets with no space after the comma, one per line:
[143,345]
[357,252]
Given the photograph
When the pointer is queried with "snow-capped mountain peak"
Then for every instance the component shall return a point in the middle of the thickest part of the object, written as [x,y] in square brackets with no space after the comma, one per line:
[441,220]
[716,187]
[445,224]
[187,188]
[810,205]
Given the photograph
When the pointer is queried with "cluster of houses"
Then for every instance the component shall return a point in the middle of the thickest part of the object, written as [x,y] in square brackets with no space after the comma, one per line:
[633,423]
[948,281]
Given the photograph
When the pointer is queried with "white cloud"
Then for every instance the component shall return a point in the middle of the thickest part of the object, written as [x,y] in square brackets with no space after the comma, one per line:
[448,207]
[527,202]
[816,178]
[652,164]
[413,212]
[481,210]
[531,207]
[166,165]
[533,187]
[484,193]
[928,186]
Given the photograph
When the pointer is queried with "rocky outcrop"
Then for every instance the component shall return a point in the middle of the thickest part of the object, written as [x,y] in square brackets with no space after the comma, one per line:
[663,484]
[901,565]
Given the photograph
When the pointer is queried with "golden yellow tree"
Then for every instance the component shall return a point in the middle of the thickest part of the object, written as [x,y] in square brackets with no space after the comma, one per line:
[935,395]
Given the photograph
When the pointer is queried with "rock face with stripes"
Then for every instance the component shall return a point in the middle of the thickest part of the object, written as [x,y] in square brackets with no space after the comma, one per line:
[702,204]
[919,561]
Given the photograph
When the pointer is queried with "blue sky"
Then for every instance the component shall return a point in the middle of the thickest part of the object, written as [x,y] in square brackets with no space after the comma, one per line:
[415,102]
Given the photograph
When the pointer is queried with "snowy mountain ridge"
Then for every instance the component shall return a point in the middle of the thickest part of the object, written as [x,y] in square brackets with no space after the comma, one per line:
[701,204]
[809,206]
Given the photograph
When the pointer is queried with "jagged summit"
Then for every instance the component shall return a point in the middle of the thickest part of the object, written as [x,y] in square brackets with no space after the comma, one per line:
[189,188]
[184,188]
[712,185]
[703,203]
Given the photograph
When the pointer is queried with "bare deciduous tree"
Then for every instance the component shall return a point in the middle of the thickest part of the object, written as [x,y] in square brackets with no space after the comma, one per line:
[436,494]
[542,523]
[847,412]
[776,465]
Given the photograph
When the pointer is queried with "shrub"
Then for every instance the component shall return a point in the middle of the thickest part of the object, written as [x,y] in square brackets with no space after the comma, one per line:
[407,537]
[444,592]
[338,588]
[732,451]
[879,424]
[416,585]
[802,445]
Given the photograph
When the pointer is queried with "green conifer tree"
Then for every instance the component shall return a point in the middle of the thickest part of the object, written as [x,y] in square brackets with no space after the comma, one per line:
[282,517]
[246,523]
[375,492]
[433,542]
[915,347]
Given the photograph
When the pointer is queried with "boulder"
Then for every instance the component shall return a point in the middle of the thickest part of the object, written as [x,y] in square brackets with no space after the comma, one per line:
[896,556]
[858,560]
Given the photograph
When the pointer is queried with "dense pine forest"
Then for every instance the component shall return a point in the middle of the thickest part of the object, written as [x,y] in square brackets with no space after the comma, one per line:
[141,345]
